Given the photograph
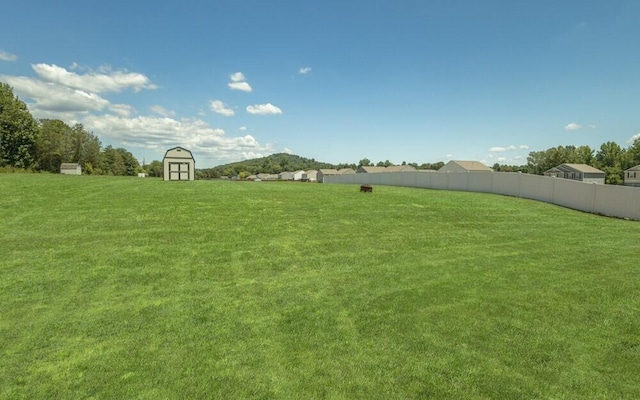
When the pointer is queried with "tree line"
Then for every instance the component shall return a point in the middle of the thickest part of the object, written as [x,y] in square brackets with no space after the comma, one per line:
[611,158]
[43,145]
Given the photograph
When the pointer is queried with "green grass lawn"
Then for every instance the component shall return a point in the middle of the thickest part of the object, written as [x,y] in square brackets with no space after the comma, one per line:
[138,288]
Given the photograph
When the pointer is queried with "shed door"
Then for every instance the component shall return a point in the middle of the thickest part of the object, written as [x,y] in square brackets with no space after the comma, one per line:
[179,171]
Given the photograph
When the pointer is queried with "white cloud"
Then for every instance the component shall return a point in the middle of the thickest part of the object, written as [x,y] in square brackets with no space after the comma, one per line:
[159,133]
[633,138]
[523,147]
[102,81]
[592,126]
[237,77]
[239,82]
[242,128]
[124,110]
[242,86]
[219,107]
[287,151]
[304,70]
[572,127]
[158,109]
[4,56]
[263,109]
[52,97]
[502,149]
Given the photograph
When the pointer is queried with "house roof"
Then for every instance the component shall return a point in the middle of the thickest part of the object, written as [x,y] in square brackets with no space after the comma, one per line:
[469,165]
[179,149]
[636,168]
[584,168]
[329,171]
[370,169]
[346,171]
[400,168]
[69,165]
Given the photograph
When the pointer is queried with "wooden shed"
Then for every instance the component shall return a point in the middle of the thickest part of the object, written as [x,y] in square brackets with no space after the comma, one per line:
[70,169]
[179,165]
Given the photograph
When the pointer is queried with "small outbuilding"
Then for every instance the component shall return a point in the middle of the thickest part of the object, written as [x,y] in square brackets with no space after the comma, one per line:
[179,165]
[70,169]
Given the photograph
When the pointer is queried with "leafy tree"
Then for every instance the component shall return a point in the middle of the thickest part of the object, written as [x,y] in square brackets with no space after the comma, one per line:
[18,131]
[365,162]
[634,153]
[584,155]
[50,150]
[609,159]
[112,163]
[434,166]
[90,147]
[154,169]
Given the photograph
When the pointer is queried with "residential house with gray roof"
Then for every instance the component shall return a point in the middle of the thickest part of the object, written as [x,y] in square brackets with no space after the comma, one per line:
[464,166]
[577,172]
[632,176]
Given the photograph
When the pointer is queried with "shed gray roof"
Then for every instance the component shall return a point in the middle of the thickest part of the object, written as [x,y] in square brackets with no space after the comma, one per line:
[636,168]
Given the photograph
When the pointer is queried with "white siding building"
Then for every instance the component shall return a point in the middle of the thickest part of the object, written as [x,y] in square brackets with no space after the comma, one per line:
[70,169]
[179,165]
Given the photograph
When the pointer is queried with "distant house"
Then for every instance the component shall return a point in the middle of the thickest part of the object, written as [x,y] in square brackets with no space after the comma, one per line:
[285,176]
[392,168]
[370,169]
[345,171]
[577,172]
[179,165]
[400,168]
[632,176]
[310,176]
[70,169]
[464,166]
[326,172]
[297,175]
[267,177]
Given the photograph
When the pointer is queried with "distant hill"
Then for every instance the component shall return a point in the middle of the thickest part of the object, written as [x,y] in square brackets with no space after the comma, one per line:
[273,164]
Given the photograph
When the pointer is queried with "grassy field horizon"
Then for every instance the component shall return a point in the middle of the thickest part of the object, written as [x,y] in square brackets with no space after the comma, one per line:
[118,287]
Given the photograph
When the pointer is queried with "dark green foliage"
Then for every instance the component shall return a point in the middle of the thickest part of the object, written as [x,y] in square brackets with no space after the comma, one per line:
[59,143]
[18,131]
[154,169]
[273,164]
[119,162]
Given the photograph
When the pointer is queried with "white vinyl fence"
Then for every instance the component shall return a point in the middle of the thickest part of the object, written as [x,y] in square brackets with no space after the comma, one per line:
[611,200]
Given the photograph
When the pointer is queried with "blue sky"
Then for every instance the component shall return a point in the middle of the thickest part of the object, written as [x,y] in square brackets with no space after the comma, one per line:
[338,81]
